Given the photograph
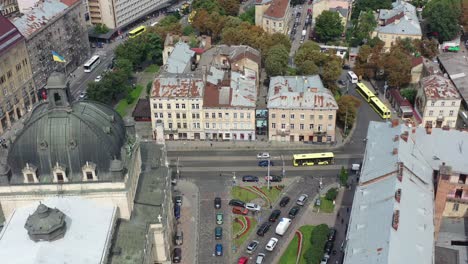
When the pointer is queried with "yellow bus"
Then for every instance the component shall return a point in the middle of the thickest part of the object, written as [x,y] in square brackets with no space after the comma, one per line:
[136,31]
[191,16]
[379,107]
[324,158]
[365,92]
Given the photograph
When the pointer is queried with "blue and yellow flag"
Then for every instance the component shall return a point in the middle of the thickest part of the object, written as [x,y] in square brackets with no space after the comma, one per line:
[57,57]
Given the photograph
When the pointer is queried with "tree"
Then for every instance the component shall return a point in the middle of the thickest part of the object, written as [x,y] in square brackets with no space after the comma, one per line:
[409,94]
[328,26]
[442,17]
[169,24]
[101,29]
[343,176]
[188,30]
[231,7]
[308,68]
[276,62]
[207,5]
[428,48]
[215,25]
[366,5]
[365,26]
[201,20]
[347,110]
[232,22]
[360,66]
[278,38]
[397,66]
[309,51]
[248,15]
[331,194]
[331,71]
[318,238]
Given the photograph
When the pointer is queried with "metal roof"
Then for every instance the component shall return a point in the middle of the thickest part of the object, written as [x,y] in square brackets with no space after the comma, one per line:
[299,92]
[9,34]
[456,67]
[408,24]
[89,230]
[180,58]
[439,87]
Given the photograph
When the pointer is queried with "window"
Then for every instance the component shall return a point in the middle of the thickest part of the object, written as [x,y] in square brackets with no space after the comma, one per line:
[207,125]
[193,106]
[320,117]
[30,177]
[177,106]
[302,116]
[432,103]
[301,126]
[280,24]
[183,106]
[241,115]
[441,112]
[207,115]
[169,125]
[160,106]
[453,103]
[197,106]
[184,116]
[9,74]
[155,106]
[455,207]
[311,117]
[248,115]
[442,104]
[273,125]
[169,115]
[177,115]
[235,125]
[273,115]
[178,125]
[185,125]
[451,113]
[168,106]
[283,116]
[213,125]
[89,175]
[193,116]
[283,126]
[320,128]
[161,115]
[431,113]
[274,24]
[29,173]
[220,115]
[235,115]
[213,115]
[59,177]
[291,126]
[59,173]
[330,117]
[226,115]
[292,116]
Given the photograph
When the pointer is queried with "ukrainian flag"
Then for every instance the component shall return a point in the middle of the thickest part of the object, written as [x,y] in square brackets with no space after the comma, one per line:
[57,57]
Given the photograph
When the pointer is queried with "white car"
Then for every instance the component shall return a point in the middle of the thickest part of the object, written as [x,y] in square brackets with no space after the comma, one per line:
[98,78]
[82,95]
[325,259]
[271,244]
[302,199]
[253,207]
[260,258]
[263,155]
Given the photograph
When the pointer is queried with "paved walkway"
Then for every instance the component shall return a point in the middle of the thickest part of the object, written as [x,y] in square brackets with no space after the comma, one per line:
[188,221]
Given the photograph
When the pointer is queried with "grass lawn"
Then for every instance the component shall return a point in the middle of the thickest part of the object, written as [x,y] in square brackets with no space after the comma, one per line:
[273,194]
[153,68]
[243,195]
[289,256]
[326,206]
[236,227]
[122,106]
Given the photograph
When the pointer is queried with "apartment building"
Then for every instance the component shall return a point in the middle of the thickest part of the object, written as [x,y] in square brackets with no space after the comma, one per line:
[342,7]
[54,25]
[203,43]
[9,8]
[438,102]
[397,23]
[300,108]
[18,92]
[119,13]
[273,15]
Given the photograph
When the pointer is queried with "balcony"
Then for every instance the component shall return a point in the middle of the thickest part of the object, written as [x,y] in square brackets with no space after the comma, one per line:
[458,195]
[171,131]
[283,132]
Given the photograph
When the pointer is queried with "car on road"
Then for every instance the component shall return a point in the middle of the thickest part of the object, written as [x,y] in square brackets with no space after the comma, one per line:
[294,211]
[82,95]
[341,82]
[219,218]
[274,215]
[325,259]
[218,232]
[243,260]
[302,199]
[284,201]
[253,207]
[264,163]
[177,255]
[217,203]
[177,211]
[235,202]
[328,247]
[219,250]
[263,155]
[178,200]
[249,178]
[332,234]
[271,244]
[240,210]
[260,258]
[274,178]
[263,229]
[346,67]
[179,237]
[298,14]
[318,202]
[98,78]
[252,246]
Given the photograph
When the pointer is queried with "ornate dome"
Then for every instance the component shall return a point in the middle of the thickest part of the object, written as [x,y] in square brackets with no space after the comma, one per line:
[69,134]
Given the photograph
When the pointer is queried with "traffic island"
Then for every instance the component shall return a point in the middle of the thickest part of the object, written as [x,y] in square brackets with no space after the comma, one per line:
[250,193]
[242,226]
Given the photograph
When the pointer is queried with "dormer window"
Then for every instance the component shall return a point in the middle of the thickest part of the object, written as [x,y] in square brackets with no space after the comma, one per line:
[59,173]
[89,172]
[30,173]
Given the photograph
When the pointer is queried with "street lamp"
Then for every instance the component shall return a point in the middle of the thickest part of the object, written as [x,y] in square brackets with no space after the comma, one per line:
[283,170]
[268,175]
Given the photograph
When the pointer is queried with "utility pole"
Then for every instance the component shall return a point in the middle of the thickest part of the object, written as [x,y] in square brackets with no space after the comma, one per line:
[283,171]
[178,171]
[268,175]
[346,121]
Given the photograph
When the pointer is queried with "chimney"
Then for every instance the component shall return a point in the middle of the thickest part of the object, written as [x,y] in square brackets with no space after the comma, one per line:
[413,130]
[395,139]
[395,151]
[429,130]
[445,128]
[395,122]
[404,136]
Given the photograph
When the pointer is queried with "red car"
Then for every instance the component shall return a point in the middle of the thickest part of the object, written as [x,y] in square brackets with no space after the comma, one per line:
[240,210]
[243,260]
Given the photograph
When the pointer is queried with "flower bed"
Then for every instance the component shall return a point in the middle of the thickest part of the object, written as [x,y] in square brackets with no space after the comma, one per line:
[299,246]
[243,227]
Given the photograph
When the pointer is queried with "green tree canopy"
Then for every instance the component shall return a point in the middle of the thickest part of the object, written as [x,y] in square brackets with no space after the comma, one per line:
[308,68]
[397,65]
[409,94]
[366,5]
[101,29]
[328,26]
[365,26]
[276,62]
[442,17]
[309,51]
[248,15]
[347,110]
[188,30]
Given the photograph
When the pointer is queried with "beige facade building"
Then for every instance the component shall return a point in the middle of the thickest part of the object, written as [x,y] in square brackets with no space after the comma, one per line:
[400,22]
[203,43]
[273,15]
[17,89]
[343,7]
[9,8]
[438,102]
[300,108]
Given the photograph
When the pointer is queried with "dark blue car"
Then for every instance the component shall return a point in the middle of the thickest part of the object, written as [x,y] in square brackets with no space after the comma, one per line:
[177,211]
[219,250]
[264,163]
[250,178]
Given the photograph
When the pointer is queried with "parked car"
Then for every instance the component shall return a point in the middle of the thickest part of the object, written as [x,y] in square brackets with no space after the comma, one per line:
[249,178]
[82,95]
[263,155]
[260,258]
[235,202]
[325,259]
[252,246]
[284,201]
[271,244]
[217,203]
[177,211]
[177,255]
[219,218]
[264,163]
[302,199]
[294,211]
[219,250]
[346,67]
[274,178]
[218,232]
[243,260]
[332,234]
[328,247]
[253,207]
[178,237]
[263,229]
[240,210]
[318,202]
[178,200]
[274,215]
[98,78]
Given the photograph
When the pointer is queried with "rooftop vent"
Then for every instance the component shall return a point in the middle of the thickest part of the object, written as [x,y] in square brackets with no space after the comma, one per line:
[400,171]
[398,195]
[395,151]
[395,122]
[396,219]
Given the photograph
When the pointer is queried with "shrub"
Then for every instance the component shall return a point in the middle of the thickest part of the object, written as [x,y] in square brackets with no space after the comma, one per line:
[331,194]
[148,87]
[129,98]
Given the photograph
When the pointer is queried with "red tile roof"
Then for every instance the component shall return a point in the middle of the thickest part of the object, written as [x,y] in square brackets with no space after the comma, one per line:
[211,96]
[198,50]
[416,61]
[69,2]
[9,34]
[277,8]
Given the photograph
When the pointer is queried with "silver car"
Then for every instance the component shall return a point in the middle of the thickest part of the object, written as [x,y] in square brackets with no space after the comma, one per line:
[252,246]
[260,258]
[302,199]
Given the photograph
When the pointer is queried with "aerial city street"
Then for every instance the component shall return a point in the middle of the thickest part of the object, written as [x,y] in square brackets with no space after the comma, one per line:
[234,131]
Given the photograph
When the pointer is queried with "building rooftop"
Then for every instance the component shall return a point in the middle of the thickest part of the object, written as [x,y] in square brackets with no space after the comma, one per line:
[451,229]
[392,215]
[150,200]
[262,2]
[438,87]
[9,35]
[456,67]
[299,92]
[179,60]
[177,87]
[341,10]
[234,54]
[401,20]
[277,9]
[87,239]
[40,14]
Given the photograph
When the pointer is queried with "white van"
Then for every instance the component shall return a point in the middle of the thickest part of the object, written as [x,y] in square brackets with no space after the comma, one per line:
[283,226]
